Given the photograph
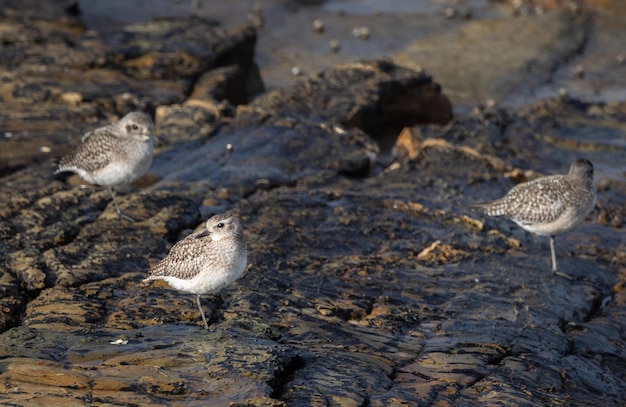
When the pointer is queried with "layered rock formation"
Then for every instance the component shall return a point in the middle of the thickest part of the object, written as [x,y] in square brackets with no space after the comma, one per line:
[370,282]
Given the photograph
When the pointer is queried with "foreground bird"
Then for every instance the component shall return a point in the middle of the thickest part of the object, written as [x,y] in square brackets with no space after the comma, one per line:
[549,205]
[207,261]
[113,155]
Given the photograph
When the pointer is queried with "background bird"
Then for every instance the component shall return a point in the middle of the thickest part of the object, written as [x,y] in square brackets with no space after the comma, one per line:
[549,205]
[206,261]
[113,155]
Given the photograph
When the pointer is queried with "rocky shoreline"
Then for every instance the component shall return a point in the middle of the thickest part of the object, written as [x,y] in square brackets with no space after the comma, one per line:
[370,282]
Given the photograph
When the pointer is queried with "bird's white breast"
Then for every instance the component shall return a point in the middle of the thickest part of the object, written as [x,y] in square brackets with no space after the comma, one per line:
[568,220]
[211,278]
[123,170]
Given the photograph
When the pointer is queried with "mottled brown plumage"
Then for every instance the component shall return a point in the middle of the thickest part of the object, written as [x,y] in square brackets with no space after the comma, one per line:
[549,205]
[207,261]
[113,155]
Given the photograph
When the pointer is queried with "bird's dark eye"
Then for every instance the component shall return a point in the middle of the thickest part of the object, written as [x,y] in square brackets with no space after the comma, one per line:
[135,127]
[220,225]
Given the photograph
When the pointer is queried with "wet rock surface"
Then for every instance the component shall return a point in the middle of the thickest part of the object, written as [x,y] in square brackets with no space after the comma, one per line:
[523,53]
[380,97]
[60,71]
[370,282]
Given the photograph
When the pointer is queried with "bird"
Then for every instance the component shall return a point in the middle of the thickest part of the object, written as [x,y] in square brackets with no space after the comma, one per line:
[549,205]
[206,261]
[113,155]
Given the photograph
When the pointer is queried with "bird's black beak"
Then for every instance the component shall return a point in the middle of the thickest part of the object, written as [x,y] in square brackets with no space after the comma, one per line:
[204,233]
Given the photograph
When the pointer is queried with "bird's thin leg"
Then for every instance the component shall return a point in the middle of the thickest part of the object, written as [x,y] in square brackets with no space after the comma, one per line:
[555,269]
[206,326]
[553,251]
[119,212]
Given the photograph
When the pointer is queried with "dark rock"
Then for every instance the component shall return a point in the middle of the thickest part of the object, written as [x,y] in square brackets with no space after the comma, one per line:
[195,120]
[229,83]
[58,72]
[175,48]
[53,11]
[374,96]
[267,152]
[348,296]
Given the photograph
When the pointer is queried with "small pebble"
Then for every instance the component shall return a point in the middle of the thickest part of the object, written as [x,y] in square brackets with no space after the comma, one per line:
[8,134]
[318,26]
[361,32]
[45,149]
[335,46]
[621,59]
[339,130]
[72,98]
[595,110]
[229,148]
[449,12]
[295,71]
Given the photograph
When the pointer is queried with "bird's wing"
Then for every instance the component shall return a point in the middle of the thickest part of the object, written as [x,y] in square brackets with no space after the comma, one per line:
[93,153]
[184,259]
[536,202]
